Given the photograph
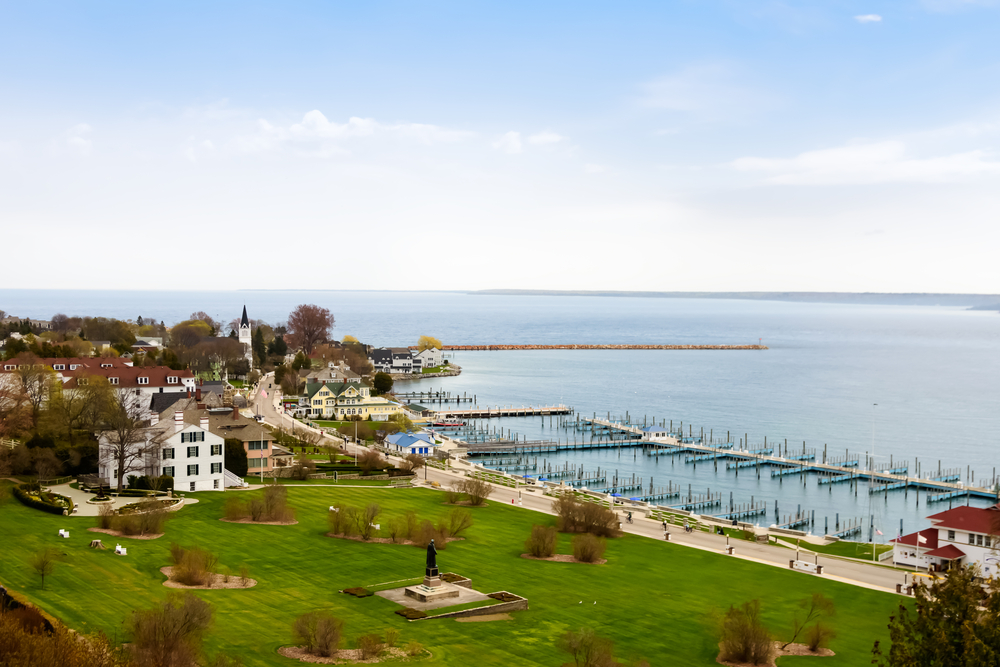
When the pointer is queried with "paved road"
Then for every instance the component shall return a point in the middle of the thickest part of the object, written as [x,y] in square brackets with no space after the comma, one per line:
[850,571]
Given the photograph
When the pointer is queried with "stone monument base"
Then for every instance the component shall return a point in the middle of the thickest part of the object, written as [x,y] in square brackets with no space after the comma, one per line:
[432,589]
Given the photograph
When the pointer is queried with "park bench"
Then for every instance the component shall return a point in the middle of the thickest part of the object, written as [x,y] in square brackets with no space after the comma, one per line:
[805,566]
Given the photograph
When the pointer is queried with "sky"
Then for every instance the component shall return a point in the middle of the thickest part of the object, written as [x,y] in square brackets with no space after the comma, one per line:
[721,145]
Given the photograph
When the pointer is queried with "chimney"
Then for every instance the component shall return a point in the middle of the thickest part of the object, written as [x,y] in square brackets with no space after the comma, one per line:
[154,419]
[189,393]
[204,423]
[236,413]
[201,406]
[197,394]
[178,421]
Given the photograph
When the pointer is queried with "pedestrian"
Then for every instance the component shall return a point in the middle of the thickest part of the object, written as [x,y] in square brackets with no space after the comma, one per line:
[686,529]
[664,525]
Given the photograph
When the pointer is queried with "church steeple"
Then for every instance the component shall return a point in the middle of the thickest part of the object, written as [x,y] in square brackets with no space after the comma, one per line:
[246,335]
[244,322]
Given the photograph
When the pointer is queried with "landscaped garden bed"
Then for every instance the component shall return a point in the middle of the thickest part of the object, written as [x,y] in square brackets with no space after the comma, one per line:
[46,501]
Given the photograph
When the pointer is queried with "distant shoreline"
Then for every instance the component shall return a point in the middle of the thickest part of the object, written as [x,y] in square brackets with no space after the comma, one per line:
[972,301]
[492,348]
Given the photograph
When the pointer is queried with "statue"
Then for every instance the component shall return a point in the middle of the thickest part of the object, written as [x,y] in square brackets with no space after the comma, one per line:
[431,556]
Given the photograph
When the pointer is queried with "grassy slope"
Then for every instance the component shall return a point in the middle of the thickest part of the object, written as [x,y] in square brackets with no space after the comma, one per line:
[653,598]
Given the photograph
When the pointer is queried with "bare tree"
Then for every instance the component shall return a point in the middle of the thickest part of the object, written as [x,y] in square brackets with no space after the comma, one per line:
[412,463]
[476,489]
[68,411]
[587,649]
[309,325]
[35,380]
[44,562]
[127,438]
[366,520]
[15,408]
[170,633]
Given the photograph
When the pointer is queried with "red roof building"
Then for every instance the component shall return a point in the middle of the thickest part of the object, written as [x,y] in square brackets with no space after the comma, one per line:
[961,536]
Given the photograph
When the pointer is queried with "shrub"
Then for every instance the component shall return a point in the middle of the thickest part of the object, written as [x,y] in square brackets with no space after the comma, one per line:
[411,614]
[588,548]
[196,567]
[427,532]
[318,632]
[452,496]
[504,597]
[578,517]
[359,592]
[365,520]
[151,515]
[236,508]
[171,632]
[476,489]
[412,523]
[176,553]
[459,521]
[587,649]
[337,518]
[396,528]
[816,607]
[37,503]
[744,637]
[244,576]
[370,645]
[371,460]
[105,516]
[414,648]
[542,542]
[818,636]
[391,637]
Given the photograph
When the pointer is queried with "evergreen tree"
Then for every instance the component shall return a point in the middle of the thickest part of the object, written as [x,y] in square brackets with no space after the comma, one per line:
[259,348]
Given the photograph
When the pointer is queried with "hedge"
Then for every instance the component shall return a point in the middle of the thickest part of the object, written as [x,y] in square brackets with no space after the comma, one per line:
[38,504]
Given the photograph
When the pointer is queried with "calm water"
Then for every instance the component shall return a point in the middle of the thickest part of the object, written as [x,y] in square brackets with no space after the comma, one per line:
[933,371]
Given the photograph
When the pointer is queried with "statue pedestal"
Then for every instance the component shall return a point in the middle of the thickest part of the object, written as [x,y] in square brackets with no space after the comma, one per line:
[433,588]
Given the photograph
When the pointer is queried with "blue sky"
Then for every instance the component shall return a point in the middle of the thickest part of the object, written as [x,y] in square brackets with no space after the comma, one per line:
[665,146]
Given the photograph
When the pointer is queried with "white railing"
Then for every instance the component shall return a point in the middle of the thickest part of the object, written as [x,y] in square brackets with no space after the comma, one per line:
[233,480]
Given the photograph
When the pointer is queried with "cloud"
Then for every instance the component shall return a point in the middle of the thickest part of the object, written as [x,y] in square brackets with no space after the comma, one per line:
[868,18]
[76,138]
[709,90]
[868,163]
[545,137]
[509,143]
[316,128]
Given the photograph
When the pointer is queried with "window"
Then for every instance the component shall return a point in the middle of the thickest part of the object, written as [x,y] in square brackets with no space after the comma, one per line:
[143,380]
[979,540]
[253,463]
[192,486]
[192,470]
[172,379]
[113,380]
[951,535]
[194,436]
[987,541]
[168,453]
[255,444]
[105,365]
[168,471]
[73,367]
[215,483]
[972,538]
[216,468]
[216,450]
[263,462]
[192,452]
[9,367]
[81,382]
[59,367]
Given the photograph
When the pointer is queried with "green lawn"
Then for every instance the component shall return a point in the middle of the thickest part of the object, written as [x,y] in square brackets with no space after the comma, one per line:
[653,598]
[861,550]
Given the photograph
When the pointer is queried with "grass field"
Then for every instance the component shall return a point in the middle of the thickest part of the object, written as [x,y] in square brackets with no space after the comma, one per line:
[654,599]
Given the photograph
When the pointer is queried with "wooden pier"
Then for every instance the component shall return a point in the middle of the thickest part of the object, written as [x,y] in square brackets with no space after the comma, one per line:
[496,348]
[504,411]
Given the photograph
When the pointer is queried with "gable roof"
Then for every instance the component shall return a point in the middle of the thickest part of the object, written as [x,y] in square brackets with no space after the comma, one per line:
[337,389]
[244,322]
[128,376]
[971,519]
[948,552]
[409,439]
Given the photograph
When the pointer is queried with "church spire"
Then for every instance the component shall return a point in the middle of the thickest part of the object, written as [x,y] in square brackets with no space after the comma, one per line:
[244,322]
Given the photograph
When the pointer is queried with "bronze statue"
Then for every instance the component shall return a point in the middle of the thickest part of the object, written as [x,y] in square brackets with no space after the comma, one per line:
[431,556]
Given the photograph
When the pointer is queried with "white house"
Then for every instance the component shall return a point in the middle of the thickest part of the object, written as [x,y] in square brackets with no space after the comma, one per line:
[183,448]
[429,358]
[960,536]
[410,443]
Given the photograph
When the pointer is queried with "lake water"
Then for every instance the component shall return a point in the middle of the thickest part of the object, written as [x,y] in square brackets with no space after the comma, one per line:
[933,371]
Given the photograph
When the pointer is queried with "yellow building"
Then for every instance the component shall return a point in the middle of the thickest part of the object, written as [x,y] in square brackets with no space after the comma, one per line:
[344,400]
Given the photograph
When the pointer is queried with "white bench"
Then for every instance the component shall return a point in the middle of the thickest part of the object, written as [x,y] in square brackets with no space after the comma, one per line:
[120,550]
[63,533]
[805,566]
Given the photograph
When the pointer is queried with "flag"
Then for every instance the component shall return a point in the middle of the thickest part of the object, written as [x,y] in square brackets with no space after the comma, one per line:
[921,539]
[878,531]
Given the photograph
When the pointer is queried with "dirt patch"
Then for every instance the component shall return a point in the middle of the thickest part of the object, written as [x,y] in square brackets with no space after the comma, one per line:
[565,558]
[261,523]
[217,581]
[791,649]
[384,540]
[342,656]
[117,533]
[486,618]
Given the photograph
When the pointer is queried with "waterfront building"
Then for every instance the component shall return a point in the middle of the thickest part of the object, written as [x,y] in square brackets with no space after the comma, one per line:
[960,536]
[410,443]
[345,400]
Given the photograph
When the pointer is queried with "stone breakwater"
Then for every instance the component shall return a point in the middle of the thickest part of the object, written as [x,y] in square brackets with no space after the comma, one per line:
[601,347]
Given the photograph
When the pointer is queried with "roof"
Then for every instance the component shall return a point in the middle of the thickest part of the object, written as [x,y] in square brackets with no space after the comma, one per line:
[948,552]
[416,407]
[930,536]
[221,422]
[653,429]
[81,362]
[244,322]
[336,388]
[409,439]
[128,376]
[971,519]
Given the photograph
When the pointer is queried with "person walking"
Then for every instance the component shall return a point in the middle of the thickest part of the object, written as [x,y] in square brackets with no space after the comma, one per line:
[686,529]
[664,525]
